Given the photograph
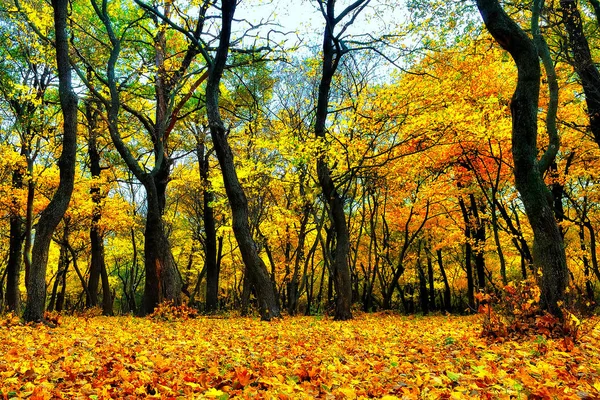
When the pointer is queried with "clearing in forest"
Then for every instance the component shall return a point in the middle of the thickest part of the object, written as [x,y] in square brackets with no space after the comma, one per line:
[374,355]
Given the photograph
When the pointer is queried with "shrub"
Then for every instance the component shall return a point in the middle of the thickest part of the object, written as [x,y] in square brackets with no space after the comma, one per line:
[516,312]
[167,311]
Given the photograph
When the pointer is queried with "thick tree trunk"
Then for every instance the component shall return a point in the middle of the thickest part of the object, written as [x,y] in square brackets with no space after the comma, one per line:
[163,282]
[255,266]
[583,64]
[548,252]
[51,216]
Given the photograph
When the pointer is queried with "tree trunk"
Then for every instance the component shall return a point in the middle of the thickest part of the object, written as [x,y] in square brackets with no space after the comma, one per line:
[479,236]
[163,282]
[13,268]
[423,290]
[468,256]
[60,297]
[255,266]
[294,284]
[496,230]
[333,199]
[518,239]
[62,270]
[589,288]
[210,246]
[549,252]
[51,216]
[97,263]
[447,292]
[107,296]
[431,281]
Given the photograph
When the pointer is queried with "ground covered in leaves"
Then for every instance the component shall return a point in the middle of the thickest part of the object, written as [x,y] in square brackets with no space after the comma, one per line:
[375,355]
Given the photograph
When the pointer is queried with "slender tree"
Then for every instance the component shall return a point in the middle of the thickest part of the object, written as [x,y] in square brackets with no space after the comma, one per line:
[255,267]
[53,213]
[582,62]
[97,263]
[333,50]
[548,250]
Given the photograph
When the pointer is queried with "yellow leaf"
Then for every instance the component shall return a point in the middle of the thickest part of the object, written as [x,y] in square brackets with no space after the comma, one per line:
[212,392]
[348,392]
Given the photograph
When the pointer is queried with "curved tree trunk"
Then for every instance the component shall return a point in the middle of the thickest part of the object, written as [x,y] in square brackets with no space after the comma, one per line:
[548,250]
[332,54]
[255,266]
[51,216]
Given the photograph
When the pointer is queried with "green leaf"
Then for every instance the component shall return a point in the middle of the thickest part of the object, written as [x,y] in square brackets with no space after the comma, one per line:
[454,377]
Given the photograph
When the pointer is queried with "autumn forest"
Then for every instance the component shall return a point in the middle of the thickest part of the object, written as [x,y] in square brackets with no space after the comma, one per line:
[418,166]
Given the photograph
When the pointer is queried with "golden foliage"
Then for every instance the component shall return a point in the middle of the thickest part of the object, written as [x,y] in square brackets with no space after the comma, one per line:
[382,355]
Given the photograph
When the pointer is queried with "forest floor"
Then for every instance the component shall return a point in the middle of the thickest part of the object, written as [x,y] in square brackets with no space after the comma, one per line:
[375,355]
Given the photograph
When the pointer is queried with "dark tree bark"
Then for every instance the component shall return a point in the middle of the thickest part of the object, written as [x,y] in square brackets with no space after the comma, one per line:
[13,268]
[294,286]
[589,288]
[163,282]
[549,252]
[582,63]
[162,279]
[97,263]
[478,233]
[51,216]
[28,220]
[447,292]
[255,267]
[210,230]
[332,53]
[468,255]
[430,278]
[518,239]
[61,273]
[423,290]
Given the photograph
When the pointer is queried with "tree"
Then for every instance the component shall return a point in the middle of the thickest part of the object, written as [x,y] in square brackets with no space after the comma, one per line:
[97,263]
[583,63]
[255,266]
[51,216]
[162,279]
[549,252]
[24,80]
[333,50]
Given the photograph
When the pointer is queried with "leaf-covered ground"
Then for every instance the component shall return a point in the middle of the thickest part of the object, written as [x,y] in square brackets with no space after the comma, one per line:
[377,356]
